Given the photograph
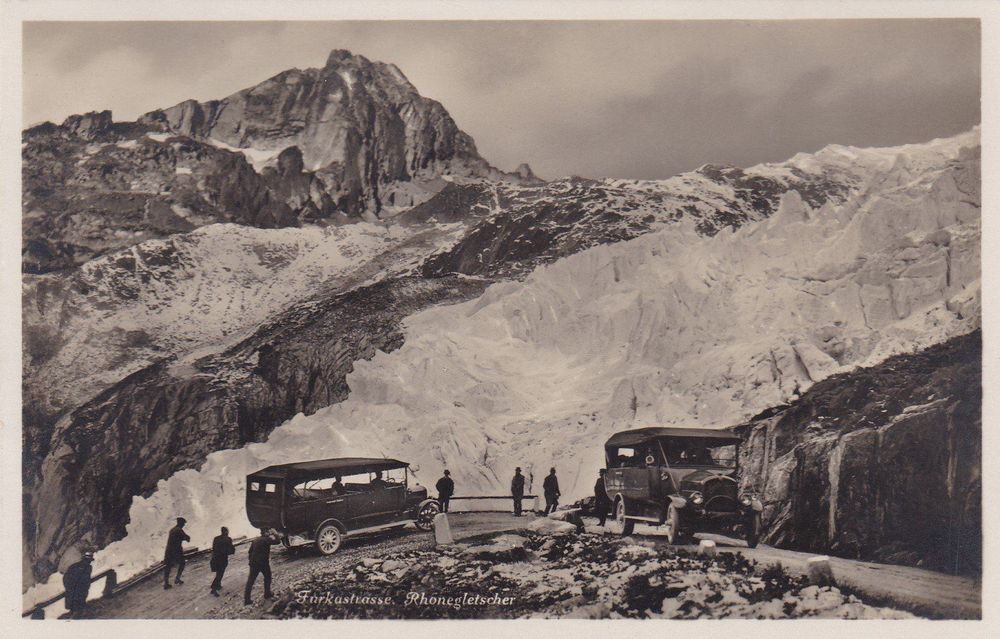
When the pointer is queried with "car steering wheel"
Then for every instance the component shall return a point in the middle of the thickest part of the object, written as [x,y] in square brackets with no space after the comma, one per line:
[650,460]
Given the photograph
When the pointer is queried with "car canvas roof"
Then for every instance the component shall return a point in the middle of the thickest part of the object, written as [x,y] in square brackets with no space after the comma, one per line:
[643,435]
[329,467]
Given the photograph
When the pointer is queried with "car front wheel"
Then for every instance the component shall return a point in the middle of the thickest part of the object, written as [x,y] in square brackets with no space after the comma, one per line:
[328,539]
[426,514]
[671,525]
[753,530]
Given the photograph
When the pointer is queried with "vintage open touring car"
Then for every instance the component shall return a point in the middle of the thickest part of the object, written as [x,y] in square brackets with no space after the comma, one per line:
[322,502]
[682,479]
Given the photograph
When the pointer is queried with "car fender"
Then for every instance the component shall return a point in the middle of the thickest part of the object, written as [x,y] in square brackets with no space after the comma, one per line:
[336,522]
[756,505]
[678,501]
[429,500]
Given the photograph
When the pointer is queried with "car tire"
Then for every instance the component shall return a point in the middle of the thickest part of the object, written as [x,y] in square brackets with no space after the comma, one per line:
[671,524]
[328,539]
[753,530]
[425,515]
[625,526]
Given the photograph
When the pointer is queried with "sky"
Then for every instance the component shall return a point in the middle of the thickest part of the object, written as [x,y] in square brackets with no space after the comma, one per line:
[639,100]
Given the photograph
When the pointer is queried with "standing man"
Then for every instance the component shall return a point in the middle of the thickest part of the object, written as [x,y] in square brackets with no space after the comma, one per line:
[552,494]
[601,501]
[446,488]
[76,583]
[517,490]
[222,547]
[174,555]
[260,563]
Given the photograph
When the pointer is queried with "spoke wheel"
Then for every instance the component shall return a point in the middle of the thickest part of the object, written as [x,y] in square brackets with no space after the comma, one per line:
[425,517]
[753,530]
[672,524]
[328,539]
[625,526]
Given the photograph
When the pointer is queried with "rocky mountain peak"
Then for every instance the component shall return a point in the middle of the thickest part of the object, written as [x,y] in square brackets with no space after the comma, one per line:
[88,125]
[360,125]
[524,172]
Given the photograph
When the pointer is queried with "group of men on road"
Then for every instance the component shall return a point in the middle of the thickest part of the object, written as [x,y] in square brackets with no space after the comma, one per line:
[446,489]
[222,548]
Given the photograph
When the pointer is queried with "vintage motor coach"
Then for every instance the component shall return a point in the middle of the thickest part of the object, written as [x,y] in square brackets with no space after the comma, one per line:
[683,479]
[321,502]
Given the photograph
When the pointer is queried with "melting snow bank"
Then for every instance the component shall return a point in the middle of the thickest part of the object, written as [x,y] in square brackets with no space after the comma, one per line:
[669,328]
[572,576]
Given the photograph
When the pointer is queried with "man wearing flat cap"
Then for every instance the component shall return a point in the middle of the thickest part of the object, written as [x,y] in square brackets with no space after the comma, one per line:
[174,555]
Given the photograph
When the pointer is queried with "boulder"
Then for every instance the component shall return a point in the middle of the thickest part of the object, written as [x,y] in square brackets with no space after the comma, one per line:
[547,526]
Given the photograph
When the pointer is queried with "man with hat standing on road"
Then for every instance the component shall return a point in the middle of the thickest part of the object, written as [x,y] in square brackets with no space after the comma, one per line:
[517,490]
[222,547]
[446,488]
[174,555]
[76,583]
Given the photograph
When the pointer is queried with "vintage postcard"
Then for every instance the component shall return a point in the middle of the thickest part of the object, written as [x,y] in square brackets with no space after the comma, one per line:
[493,317]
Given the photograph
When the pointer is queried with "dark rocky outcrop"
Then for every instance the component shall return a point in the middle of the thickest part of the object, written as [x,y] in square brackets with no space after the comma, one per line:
[882,463]
[87,191]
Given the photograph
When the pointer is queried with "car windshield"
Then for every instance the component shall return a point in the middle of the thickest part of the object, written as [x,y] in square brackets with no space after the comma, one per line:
[700,452]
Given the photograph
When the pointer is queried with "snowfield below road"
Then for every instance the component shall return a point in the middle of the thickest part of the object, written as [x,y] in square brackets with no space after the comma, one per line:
[669,328]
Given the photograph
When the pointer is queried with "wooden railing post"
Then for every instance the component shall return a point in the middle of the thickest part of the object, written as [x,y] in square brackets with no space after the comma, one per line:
[110,583]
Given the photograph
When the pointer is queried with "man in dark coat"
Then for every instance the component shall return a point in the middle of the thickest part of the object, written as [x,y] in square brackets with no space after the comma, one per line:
[76,583]
[446,488]
[552,494]
[222,547]
[260,563]
[601,501]
[517,490]
[174,555]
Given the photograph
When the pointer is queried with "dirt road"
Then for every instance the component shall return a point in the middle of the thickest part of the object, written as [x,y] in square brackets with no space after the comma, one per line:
[921,591]
[192,599]
[915,589]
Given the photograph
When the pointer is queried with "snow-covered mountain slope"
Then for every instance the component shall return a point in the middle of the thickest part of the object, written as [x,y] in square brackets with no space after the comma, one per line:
[193,293]
[670,328]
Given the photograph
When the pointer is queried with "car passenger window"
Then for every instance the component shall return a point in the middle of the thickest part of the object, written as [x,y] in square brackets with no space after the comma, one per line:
[255,486]
[626,458]
[269,487]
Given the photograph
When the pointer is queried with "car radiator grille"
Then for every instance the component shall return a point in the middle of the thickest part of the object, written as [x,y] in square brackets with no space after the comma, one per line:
[720,495]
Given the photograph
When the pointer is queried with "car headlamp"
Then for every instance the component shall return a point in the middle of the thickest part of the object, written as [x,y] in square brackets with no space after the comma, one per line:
[697,499]
[746,499]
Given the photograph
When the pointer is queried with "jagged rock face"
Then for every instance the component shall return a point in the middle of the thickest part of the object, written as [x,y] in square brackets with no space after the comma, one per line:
[882,463]
[360,124]
[93,188]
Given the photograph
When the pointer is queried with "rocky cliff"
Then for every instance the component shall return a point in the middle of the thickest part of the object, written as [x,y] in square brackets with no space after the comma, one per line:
[883,463]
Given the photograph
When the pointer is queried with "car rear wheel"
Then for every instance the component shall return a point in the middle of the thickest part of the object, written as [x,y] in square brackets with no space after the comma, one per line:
[426,514]
[328,539]
[753,530]
[671,525]
[625,526]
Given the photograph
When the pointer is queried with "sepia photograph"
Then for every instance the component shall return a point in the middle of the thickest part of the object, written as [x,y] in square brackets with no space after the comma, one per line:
[438,319]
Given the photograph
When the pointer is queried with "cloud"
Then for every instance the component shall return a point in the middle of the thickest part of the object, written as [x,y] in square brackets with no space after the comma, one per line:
[626,99]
